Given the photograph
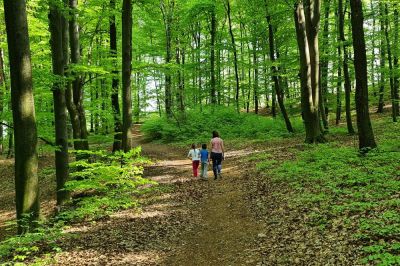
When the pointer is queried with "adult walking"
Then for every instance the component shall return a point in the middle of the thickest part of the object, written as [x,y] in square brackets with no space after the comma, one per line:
[217,154]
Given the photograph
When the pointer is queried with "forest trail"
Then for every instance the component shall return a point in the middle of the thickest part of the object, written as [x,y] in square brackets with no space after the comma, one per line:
[221,229]
[187,222]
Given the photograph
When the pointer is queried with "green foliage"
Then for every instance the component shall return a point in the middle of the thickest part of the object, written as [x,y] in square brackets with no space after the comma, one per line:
[102,183]
[19,248]
[198,126]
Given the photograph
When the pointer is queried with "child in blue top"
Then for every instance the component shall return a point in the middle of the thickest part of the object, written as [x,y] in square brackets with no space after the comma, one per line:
[204,161]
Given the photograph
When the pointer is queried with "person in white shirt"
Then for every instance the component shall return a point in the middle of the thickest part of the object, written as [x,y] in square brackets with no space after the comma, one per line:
[194,155]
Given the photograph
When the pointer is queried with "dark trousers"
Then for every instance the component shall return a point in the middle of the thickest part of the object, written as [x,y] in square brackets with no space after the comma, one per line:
[216,163]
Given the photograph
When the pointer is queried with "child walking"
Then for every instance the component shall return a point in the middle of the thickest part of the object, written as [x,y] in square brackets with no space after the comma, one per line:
[204,161]
[194,155]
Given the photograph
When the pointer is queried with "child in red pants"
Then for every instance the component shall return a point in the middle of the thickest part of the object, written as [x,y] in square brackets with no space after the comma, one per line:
[194,155]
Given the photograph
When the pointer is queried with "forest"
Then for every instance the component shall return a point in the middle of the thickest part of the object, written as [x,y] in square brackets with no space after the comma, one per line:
[101,100]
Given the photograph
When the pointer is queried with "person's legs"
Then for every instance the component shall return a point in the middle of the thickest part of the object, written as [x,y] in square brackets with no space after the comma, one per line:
[204,167]
[214,164]
[195,166]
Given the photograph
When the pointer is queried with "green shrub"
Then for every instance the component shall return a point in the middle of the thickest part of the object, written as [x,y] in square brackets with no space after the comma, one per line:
[198,125]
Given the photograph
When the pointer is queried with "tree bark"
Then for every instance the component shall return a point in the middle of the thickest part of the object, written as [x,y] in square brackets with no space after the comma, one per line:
[26,161]
[307,24]
[365,132]
[115,81]
[126,75]
[60,109]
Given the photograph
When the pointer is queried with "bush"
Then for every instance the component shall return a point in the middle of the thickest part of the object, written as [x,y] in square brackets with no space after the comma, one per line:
[198,125]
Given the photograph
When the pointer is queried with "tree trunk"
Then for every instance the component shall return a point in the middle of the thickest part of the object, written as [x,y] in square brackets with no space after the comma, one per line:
[347,85]
[389,52]
[115,81]
[167,11]
[212,56]
[365,133]
[307,24]
[324,69]
[396,69]
[275,76]
[60,108]
[2,92]
[74,95]
[26,161]
[339,88]
[381,101]
[126,75]
[255,83]
[228,11]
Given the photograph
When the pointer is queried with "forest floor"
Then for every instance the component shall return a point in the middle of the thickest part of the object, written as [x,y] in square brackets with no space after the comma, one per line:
[242,219]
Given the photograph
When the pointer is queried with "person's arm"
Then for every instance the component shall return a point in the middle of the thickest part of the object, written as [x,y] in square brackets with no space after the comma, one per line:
[222,148]
[189,155]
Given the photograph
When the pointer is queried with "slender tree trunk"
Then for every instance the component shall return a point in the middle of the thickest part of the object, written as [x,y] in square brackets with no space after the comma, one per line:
[339,88]
[275,76]
[60,108]
[235,62]
[365,132]
[212,56]
[167,10]
[126,75]
[373,59]
[396,69]
[389,52]
[255,83]
[324,69]
[26,161]
[307,23]
[74,95]
[2,93]
[347,85]
[381,101]
[115,81]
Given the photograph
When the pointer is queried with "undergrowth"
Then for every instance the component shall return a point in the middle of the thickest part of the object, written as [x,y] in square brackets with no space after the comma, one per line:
[339,184]
[101,184]
[197,126]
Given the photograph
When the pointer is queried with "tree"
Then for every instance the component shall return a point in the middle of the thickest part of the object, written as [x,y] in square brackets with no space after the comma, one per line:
[26,161]
[365,132]
[74,93]
[114,94]
[235,61]
[126,74]
[167,9]
[307,18]
[347,85]
[60,109]
[275,77]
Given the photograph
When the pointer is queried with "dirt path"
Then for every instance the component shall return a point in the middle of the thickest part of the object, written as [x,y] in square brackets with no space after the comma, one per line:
[186,222]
